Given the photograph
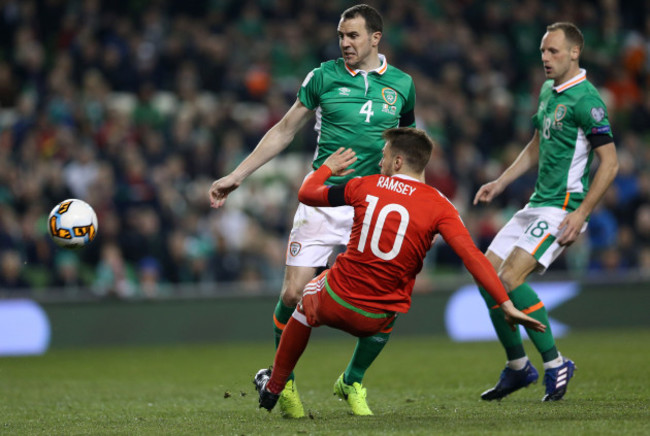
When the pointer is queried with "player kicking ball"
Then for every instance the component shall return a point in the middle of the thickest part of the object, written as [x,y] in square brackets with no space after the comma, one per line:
[396,217]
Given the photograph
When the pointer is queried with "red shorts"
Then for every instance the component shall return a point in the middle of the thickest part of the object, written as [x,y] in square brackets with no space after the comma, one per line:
[320,306]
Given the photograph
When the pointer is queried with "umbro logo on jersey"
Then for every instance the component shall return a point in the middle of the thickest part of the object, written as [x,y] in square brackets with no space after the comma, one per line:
[344,91]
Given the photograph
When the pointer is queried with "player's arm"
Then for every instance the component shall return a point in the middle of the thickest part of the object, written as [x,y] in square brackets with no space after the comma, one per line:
[527,159]
[314,192]
[607,170]
[407,117]
[456,235]
[458,238]
[273,142]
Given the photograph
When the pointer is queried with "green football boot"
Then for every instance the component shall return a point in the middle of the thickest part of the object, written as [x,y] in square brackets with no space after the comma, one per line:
[354,394]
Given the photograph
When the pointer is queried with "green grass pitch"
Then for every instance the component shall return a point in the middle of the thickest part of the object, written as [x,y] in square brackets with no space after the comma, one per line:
[419,385]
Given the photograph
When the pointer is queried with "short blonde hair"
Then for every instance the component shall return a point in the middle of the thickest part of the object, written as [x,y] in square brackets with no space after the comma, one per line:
[571,32]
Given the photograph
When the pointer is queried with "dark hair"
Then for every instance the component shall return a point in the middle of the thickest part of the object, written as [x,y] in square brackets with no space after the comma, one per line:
[571,33]
[414,145]
[374,22]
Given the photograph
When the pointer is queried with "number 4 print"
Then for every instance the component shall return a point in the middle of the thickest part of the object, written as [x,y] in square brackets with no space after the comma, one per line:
[366,109]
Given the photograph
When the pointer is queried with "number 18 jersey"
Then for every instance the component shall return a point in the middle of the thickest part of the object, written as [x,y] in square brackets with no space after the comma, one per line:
[353,108]
[567,115]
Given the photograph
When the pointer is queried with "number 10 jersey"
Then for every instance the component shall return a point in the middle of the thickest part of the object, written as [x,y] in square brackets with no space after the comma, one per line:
[395,220]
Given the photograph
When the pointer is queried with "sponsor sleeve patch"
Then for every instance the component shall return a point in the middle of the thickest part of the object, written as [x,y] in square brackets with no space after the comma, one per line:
[600,130]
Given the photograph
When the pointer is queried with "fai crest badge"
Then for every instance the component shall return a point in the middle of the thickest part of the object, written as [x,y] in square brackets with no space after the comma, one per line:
[560,112]
[597,113]
[389,95]
[294,248]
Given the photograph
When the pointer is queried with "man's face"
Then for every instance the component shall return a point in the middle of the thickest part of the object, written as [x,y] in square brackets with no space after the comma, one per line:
[557,56]
[355,42]
[386,162]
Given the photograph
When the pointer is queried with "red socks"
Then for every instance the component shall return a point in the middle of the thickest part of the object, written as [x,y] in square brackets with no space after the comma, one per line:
[292,344]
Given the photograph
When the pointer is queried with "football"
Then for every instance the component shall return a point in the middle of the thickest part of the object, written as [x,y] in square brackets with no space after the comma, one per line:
[72,224]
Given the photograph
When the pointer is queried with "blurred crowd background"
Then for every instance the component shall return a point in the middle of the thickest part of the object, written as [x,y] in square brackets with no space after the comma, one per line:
[137,106]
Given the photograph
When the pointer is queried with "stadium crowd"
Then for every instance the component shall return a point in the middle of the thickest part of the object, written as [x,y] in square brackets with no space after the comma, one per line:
[136,107]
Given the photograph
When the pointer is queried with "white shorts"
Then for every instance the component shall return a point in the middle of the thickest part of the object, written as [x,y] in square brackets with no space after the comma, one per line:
[535,230]
[316,232]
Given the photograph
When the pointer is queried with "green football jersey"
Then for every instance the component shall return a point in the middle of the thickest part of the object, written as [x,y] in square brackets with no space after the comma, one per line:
[353,108]
[566,115]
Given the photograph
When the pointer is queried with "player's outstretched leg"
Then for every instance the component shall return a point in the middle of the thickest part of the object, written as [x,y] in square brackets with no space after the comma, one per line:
[290,404]
[354,394]
[365,352]
[266,399]
[510,381]
[557,379]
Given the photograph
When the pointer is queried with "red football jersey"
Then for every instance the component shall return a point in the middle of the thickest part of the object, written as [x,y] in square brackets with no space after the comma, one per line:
[395,220]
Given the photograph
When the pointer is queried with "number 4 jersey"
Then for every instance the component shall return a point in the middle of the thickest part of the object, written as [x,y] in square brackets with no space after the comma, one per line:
[354,107]
[395,220]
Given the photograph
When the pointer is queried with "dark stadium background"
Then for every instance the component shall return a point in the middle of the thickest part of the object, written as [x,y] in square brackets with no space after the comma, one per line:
[137,106]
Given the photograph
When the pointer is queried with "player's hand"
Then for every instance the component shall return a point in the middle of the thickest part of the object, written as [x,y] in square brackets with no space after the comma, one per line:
[515,316]
[340,160]
[570,227]
[221,188]
[487,192]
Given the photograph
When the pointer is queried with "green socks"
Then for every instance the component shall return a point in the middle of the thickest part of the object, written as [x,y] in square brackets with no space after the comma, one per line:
[281,317]
[510,340]
[525,299]
[366,351]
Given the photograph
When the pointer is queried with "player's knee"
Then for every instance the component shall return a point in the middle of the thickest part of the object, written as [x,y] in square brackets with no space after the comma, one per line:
[495,260]
[295,280]
[291,295]
[510,278]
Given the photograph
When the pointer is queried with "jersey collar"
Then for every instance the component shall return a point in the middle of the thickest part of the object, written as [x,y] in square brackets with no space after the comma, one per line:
[380,70]
[581,77]
[405,177]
